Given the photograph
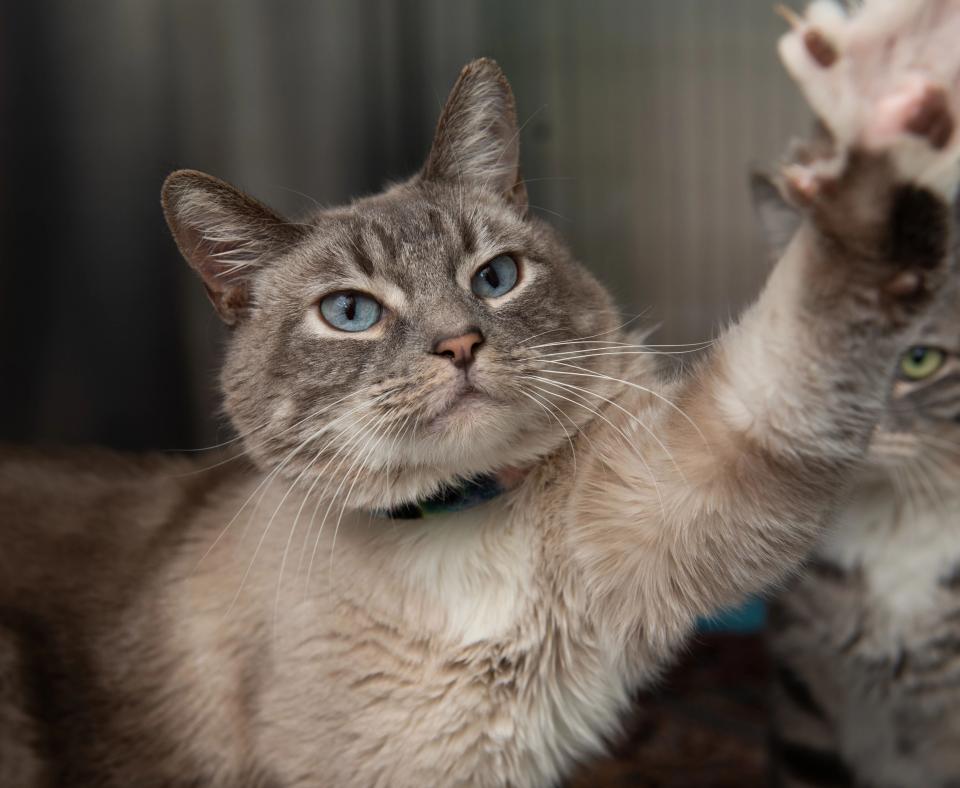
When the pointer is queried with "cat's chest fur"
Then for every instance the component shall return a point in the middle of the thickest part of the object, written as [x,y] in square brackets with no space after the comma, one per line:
[458,646]
[872,631]
[901,554]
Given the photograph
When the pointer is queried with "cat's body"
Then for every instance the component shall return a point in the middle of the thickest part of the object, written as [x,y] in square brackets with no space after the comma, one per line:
[174,626]
[437,662]
[867,642]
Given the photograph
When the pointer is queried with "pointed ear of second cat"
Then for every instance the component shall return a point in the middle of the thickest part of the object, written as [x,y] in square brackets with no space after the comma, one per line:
[477,138]
[224,235]
[779,220]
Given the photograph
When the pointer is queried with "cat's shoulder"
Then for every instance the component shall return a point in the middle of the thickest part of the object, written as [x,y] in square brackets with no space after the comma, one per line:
[62,502]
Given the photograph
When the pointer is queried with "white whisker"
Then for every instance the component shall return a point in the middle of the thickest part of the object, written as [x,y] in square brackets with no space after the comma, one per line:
[636,420]
[585,372]
[624,436]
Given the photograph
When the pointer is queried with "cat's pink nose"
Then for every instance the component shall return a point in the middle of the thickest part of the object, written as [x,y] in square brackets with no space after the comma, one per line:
[460,350]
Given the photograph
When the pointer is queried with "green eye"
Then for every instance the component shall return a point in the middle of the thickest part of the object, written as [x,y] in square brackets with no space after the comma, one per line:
[921,362]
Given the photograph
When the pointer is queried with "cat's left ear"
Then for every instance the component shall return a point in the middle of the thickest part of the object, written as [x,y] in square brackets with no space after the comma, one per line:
[225,235]
[779,220]
[477,138]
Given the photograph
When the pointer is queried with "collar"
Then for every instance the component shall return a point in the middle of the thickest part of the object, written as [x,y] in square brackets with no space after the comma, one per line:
[464,495]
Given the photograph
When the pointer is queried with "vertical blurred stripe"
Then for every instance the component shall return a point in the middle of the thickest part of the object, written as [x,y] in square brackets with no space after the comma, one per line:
[641,122]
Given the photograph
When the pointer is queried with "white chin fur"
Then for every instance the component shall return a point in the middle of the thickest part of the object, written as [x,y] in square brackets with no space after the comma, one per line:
[423,465]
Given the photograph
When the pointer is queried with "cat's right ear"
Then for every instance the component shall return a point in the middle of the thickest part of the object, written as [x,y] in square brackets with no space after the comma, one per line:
[779,220]
[224,235]
[477,139]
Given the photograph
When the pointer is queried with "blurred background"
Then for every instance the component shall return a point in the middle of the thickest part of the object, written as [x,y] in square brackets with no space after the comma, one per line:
[641,121]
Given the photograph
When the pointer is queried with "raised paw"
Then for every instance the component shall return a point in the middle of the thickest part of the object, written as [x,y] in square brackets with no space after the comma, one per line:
[918,107]
[883,79]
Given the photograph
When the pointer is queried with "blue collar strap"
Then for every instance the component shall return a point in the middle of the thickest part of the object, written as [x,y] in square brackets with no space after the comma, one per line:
[466,495]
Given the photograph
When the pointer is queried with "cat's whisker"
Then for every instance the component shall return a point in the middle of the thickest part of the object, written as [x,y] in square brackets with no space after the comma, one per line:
[617,429]
[269,524]
[245,451]
[535,400]
[267,479]
[330,425]
[523,342]
[616,329]
[551,212]
[588,353]
[316,204]
[920,467]
[296,520]
[616,343]
[939,442]
[939,479]
[912,487]
[257,489]
[321,474]
[388,434]
[585,372]
[357,463]
[633,417]
[213,446]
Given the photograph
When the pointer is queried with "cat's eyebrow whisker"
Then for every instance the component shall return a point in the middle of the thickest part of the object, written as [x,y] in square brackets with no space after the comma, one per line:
[633,417]
[551,212]
[317,206]
[585,372]
[623,435]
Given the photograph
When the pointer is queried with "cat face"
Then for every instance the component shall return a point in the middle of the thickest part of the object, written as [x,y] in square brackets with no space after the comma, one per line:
[391,346]
[918,440]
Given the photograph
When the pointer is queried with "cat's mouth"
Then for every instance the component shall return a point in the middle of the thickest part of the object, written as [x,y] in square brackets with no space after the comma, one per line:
[464,401]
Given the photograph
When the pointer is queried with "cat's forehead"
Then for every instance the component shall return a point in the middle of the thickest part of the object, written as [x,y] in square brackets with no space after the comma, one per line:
[417,230]
[942,332]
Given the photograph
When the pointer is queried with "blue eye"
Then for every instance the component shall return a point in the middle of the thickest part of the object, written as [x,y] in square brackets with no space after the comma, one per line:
[350,311]
[495,278]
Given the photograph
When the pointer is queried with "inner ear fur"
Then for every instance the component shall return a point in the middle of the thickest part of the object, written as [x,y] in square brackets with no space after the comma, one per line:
[225,236]
[477,138]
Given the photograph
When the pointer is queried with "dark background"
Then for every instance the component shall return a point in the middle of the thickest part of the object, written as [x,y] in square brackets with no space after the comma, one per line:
[641,120]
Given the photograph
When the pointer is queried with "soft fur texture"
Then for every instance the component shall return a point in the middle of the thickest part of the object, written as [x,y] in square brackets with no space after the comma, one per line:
[171,623]
[867,641]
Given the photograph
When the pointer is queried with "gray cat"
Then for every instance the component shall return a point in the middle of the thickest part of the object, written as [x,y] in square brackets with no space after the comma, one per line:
[475,516]
[867,641]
